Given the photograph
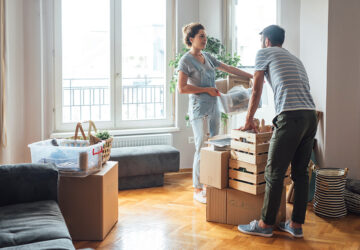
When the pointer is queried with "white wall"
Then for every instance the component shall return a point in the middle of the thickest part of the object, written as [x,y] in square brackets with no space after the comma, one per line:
[187,12]
[313,53]
[32,73]
[329,31]
[289,19]
[210,15]
[343,87]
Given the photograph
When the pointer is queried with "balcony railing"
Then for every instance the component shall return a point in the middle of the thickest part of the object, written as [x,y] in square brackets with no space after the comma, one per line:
[85,98]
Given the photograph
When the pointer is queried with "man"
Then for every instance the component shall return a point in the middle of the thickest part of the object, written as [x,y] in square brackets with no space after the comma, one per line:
[295,126]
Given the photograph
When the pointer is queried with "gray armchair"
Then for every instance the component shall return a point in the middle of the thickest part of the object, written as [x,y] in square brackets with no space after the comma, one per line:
[30,217]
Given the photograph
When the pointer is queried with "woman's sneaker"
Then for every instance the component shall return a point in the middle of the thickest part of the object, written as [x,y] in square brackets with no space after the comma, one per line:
[199,196]
[296,232]
[254,229]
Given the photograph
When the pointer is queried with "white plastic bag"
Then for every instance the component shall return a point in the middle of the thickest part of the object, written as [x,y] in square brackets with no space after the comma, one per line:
[235,101]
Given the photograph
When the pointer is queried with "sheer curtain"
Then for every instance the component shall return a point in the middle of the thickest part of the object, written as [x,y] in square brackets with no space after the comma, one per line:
[3,139]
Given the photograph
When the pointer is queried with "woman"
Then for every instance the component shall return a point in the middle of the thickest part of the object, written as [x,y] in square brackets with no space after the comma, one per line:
[197,78]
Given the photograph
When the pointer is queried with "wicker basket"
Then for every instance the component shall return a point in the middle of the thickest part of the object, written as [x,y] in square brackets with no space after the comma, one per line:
[93,139]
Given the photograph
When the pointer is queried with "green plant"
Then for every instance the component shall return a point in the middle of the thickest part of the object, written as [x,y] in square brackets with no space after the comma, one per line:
[103,135]
[224,118]
[216,49]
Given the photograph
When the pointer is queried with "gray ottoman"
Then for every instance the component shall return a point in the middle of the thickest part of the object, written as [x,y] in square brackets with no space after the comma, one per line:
[144,166]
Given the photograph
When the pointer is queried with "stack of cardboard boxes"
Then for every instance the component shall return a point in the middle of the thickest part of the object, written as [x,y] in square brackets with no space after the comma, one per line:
[235,179]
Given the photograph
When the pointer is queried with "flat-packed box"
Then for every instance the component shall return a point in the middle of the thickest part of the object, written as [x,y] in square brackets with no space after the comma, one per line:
[214,167]
[234,207]
[90,204]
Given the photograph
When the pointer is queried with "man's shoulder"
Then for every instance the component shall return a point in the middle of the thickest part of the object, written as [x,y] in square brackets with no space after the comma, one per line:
[271,50]
[265,52]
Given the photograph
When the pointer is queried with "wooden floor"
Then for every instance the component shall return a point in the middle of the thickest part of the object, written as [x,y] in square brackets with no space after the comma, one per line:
[168,218]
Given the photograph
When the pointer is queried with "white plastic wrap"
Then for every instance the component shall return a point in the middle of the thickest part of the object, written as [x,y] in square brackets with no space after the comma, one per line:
[235,101]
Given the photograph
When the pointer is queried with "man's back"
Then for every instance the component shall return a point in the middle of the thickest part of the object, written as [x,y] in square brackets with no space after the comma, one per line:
[287,77]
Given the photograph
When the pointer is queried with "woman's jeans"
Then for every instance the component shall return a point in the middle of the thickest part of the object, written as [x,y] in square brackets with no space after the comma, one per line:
[203,128]
[291,142]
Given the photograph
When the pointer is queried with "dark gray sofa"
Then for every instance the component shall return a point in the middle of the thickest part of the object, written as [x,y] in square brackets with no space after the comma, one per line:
[144,166]
[30,217]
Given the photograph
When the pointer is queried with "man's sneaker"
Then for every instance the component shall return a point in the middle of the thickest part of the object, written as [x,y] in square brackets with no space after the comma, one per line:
[198,196]
[254,229]
[296,232]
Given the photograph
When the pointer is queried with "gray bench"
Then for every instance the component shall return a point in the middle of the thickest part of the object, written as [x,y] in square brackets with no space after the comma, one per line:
[144,166]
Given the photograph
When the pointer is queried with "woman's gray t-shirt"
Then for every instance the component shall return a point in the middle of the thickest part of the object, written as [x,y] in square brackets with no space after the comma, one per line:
[187,66]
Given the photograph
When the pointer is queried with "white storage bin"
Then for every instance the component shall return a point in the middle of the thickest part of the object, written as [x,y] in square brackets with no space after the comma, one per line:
[71,157]
[235,101]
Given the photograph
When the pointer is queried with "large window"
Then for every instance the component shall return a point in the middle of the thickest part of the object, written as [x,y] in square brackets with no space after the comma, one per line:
[111,63]
[250,17]
[247,19]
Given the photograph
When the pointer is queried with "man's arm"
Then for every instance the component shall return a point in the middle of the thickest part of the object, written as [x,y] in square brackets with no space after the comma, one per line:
[254,101]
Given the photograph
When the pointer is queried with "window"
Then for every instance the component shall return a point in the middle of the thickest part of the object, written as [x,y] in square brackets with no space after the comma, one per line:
[250,17]
[111,65]
[247,20]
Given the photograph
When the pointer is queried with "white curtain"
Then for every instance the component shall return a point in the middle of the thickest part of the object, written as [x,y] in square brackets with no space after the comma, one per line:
[3,139]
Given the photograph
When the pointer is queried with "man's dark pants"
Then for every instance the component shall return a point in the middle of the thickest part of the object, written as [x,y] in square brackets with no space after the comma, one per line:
[291,142]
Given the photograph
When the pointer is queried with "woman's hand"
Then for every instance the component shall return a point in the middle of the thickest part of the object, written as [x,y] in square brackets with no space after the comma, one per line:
[213,91]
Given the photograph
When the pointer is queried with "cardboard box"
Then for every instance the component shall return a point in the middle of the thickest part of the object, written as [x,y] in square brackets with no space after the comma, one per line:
[221,85]
[230,206]
[214,167]
[233,80]
[216,205]
[242,207]
[90,204]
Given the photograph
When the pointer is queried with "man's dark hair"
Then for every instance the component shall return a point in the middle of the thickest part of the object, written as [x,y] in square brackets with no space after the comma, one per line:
[275,34]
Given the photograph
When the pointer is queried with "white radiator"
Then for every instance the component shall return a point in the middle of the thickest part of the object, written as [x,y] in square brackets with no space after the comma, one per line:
[142,140]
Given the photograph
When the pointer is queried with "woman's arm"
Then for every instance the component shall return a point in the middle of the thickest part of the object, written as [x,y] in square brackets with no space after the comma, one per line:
[185,88]
[232,70]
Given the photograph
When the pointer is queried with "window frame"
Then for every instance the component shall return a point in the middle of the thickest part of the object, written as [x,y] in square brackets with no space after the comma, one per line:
[116,122]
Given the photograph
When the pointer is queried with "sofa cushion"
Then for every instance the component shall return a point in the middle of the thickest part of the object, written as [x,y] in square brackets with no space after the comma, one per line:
[20,183]
[146,160]
[59,244]
[26,223]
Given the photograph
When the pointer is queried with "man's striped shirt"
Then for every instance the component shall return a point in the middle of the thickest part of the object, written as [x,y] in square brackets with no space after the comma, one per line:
[287,77]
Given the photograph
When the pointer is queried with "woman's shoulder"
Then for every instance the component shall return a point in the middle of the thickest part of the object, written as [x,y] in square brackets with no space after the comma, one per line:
[207,54]
[185,58]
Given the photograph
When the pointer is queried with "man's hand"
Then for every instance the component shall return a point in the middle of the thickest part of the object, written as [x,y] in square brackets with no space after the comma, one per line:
[249,125]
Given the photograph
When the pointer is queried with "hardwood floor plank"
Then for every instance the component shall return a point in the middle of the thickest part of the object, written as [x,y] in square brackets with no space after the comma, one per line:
[168,218]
